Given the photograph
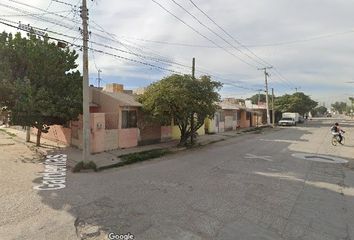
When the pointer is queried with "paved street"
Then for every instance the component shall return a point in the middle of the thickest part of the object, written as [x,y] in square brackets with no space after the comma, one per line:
[247,188]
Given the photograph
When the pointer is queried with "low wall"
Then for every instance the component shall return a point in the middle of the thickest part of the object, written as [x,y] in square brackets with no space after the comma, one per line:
[111,139]
[127,137]
[56,133]
[166,133]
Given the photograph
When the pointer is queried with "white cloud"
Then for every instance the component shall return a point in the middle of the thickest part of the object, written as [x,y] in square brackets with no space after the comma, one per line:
[319,67]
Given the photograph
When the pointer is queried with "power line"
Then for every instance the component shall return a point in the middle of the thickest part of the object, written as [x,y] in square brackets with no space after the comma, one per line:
[311,38]
[100,51]
[40,18]
[65,3]
[202,35]
[173,62]
[29,14]
[237,41]
[40,9]
[215,33]
[226,81]
[229,35]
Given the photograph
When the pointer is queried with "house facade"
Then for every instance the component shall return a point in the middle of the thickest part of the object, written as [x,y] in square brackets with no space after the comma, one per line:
[117,122]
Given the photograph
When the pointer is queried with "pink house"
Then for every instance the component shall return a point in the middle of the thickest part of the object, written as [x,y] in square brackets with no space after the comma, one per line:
[115,123]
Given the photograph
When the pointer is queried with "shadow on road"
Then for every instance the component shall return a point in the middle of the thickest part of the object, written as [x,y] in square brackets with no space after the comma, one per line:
[216,193]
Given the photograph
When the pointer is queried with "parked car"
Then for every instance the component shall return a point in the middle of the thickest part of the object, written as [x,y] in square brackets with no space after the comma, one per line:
[287,122]
[293,115]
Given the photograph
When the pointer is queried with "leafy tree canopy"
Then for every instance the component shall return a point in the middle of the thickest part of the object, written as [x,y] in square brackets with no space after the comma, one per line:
[319,111]
[297,102]
[42,86]
[184,99]
[261,97]
[339,107]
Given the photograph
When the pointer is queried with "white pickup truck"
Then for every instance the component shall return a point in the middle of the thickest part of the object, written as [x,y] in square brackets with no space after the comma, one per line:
[287,121]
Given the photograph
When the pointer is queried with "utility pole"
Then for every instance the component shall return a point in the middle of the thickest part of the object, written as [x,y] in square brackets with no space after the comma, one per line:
[266,89]
[273,112]
[86,128]
[192,116]
[99,77]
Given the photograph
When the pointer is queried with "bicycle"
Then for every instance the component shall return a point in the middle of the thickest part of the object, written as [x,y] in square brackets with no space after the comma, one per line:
[335,138]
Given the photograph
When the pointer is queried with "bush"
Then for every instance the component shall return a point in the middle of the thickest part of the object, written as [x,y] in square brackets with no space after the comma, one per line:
[81,165]
[138,157]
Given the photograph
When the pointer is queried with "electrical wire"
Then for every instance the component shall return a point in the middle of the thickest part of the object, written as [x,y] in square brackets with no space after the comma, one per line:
[215,33]
[238,42]
[29,14]
[65,3]
[202,35]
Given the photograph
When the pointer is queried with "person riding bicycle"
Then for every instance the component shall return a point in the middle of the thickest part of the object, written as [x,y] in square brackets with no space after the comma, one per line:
[337,131]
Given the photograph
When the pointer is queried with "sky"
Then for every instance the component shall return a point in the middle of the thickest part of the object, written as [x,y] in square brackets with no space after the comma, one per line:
[309,44]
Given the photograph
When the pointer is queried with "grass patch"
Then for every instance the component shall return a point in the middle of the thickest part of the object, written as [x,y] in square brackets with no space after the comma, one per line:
[8,133]
[82,166]
[138,157]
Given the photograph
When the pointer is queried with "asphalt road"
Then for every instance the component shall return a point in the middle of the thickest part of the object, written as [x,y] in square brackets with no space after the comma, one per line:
[250,187]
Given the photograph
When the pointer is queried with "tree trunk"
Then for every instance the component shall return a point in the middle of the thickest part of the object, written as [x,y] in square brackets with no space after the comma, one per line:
[192,128]
[183,140]
[28,133]
[39,133]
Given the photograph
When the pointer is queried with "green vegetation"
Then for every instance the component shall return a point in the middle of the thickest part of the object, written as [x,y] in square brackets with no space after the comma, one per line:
[297,102]
[39,83]
[85,166]
[185,100]
[138,157]
[254,99]
[319,111]
[8,133]
[339,107]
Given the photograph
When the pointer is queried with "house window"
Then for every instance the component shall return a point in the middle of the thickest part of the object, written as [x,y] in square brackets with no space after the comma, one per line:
[248,116]
[238,115]
[129,119]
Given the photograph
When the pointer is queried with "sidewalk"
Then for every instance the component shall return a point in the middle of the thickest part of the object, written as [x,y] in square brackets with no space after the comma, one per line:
[112,157]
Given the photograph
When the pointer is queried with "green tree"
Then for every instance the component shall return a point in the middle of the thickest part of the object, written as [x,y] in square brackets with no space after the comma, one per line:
[319,111]
[261,97]
[44,87]
[297,102]
[339,107]
[184,99]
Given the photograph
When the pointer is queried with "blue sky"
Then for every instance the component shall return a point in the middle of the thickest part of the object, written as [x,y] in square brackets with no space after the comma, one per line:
[308,42]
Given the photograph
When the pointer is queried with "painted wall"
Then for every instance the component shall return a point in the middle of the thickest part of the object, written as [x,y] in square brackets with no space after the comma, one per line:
[97,132]
[166,133]
[128,137]
[201,130]
[57,133]
[221,127]
[210,125]
[150,134]
[106,103]
[228,123]
[176,133]
[111,139]
[244,123]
